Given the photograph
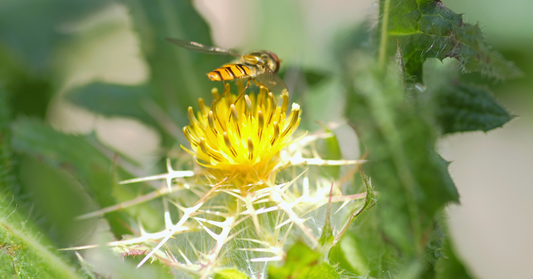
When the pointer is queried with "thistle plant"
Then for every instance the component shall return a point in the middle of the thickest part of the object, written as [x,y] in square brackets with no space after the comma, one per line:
[250,193]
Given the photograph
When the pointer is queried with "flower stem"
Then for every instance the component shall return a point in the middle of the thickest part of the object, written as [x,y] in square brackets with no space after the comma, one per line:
[384,35]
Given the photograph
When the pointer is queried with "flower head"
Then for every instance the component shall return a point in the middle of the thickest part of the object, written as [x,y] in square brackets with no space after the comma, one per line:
[241,136]
[247,213]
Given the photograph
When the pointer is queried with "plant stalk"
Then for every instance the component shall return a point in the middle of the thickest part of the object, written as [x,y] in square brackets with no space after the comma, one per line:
[384,35]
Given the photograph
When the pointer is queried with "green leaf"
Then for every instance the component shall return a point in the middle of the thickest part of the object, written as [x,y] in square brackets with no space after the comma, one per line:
[178,76]
[303,263]
[6,161]
[427,29]
[410,176]
[462,107]
[32,30]
[349,257]
[440,255]
[450,266]
[230,273]
[78,155]
[24,252]
[457,106]
[113,100]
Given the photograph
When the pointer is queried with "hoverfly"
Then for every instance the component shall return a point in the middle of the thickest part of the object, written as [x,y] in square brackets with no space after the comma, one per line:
[258,66]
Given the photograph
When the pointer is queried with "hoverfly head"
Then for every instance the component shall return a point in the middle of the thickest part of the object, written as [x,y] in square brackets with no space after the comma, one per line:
[273,61]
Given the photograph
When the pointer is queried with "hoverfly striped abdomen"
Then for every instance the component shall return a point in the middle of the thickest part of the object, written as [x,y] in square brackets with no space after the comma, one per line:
[231,72]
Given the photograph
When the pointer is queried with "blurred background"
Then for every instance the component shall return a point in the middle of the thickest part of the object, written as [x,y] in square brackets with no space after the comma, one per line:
[49,48]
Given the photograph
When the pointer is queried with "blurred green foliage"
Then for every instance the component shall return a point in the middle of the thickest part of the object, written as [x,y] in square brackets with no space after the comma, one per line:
[398,103]
[303,262]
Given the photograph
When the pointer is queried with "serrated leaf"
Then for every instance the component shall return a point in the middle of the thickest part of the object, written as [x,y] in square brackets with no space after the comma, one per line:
[303,263]
[457,106]
[450,266]
[427,29]
[77,155]
[410,176]
[230,273]
[440,255]
[113,100]
[462,108]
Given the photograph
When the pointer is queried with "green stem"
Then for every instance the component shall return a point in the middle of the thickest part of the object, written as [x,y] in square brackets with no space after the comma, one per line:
[384,35]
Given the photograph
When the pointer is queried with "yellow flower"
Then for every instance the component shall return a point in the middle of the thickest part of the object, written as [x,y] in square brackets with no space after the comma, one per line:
[240,137]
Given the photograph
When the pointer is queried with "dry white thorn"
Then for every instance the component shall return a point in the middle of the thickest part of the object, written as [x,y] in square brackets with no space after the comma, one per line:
[168,220]
[178,206]
[186,214]
[284,186]
[253,214]
[283,224]
[79,247]
[267,259]
[253,240]
[211,258]
[276,197]
[235,223]
[262,200]
[210,232]
[148,236]
[297,201]
[321,162]
[282,242]
[266,250]
[171,256]
[305,185]
[261,192]
[172,174]
[198,192]
[214,223]
[218,213]
[237,195]
[150,196]
[141,228]
[266,210]
[184,257]
[342,206]
[235,234]
[236,191]
[196,252]
[256,197]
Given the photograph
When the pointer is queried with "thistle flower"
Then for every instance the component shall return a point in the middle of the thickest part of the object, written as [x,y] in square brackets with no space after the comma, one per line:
[242,208]
[240,137]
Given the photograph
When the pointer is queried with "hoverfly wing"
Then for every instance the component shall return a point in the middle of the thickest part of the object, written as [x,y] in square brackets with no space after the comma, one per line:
[272,81]
[202,48]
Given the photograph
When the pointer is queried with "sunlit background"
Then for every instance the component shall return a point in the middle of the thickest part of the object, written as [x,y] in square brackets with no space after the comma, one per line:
[493,171]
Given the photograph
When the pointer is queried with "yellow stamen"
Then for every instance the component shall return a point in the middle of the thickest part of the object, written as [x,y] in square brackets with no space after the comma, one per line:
[242,138]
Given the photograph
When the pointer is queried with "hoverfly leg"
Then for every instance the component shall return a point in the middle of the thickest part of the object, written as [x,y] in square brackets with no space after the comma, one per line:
[215,102]
[260,85]
[242,92]
[223,92]
[240,87]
